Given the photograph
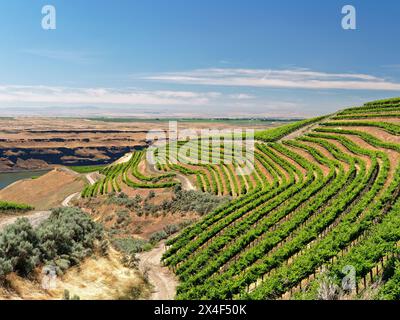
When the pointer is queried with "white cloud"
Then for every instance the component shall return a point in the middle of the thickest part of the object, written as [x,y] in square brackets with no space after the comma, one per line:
[265,78]
[99,96]
[241,96]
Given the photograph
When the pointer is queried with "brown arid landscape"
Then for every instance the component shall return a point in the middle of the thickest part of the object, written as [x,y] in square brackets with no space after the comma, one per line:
[28,143]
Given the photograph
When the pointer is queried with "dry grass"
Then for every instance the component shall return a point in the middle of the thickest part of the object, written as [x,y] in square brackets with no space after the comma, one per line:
[45,192]
[97,278]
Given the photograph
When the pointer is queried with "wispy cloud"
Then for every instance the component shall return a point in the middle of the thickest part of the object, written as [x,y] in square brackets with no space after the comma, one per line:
[100,96]
[134,101]
[265,78]
[241,96]
[395,67]
[79,57]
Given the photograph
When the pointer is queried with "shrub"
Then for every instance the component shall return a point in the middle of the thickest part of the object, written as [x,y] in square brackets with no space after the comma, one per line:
[123,217]
[158,236]
[66,237]
[171,229]
[66,295]
[68,231]
[183,201]
[122,199]
[151,195]
[194,201]
[138,229]
[129,246]
[19,248]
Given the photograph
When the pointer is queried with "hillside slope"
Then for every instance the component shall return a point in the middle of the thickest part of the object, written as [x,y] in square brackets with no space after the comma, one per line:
[96,278]
[317,218]
[319,207]
[45,192]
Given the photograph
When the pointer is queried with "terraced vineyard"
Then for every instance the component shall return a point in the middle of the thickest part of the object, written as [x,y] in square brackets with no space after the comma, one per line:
[323,199]
[127,175]
[219,178]
[317,204]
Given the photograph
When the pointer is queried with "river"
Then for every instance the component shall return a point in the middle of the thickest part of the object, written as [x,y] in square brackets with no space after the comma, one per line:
[8,178]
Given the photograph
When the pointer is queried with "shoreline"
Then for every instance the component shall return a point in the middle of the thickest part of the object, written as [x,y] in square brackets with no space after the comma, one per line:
[42,172]
[28,170]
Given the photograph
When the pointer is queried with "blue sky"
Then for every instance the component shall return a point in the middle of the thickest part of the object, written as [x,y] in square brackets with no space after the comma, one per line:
[186,57]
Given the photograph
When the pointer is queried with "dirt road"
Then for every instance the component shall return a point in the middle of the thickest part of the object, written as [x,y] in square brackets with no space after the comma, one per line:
[36,218]
[186,183]
[163,280]
[90,178]
[124,159]
[299,132]
[67,200]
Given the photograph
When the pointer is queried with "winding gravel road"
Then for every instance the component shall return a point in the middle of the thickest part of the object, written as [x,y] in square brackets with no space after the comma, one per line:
[68,199]
[162,279]
[299,132]
[90,178]
[38,217]
[186,183]
[34,218]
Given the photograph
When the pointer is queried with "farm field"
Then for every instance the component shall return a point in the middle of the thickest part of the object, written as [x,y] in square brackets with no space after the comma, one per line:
[316,206]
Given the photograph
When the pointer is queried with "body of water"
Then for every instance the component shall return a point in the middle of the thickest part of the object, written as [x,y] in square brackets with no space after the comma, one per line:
[10,177]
